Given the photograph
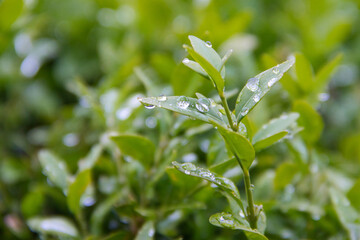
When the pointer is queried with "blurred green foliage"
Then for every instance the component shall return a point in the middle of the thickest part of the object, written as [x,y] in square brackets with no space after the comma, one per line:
[70,75]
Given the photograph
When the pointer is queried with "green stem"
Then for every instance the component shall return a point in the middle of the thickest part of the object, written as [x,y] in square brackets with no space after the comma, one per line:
[249,196]
[252,218]
[251,209]
[233,125]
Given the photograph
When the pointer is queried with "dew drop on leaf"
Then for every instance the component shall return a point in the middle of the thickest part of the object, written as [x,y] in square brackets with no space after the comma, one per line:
[162,98]
[202,105]
[253,84]
[183,102]
[256,97]
[272,82]
[149,106]
[244,111]
[185,60]
[276,70]
[208,44]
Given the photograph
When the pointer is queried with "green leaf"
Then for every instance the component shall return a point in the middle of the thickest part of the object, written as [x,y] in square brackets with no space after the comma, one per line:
[275,130]
[256,88]
[146,232]
[195,66]
[137,147]
[203,109]
[226,220]
[54,168]
[209,60]
[347,215]
[90,160]
[76,190]
[323,75]
[59,226]
[264,143]
[304,72]
[206,51]
[10,10]
[224,183]
[239,145]
[354,195]
[285,174]
[310,120]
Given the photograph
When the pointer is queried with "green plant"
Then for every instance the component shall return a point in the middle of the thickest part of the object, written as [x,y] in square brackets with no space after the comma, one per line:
[234,127]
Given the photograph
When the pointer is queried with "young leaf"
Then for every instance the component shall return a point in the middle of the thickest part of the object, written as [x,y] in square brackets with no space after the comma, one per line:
[256,88]
[203,109]
[227,220]
[225,184]
[54,168]
[239,145]
[205,50]
[58,226]
[195,66]
[146,232]
[76,190]
[273,131]
[347,215]
[137,147]
[214,74]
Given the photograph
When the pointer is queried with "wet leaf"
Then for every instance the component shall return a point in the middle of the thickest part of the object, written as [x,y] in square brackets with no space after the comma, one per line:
[54,168]
[224,183]
[226,220]
[203,109]
[257,87]
[273,131]
[58,226]
[285,174]
[354,195]
[239,145]
[209,60]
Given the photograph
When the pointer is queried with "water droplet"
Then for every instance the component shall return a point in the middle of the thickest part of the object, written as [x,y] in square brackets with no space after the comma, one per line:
[323,97]
[272,82]
[257,97]
[162,98]
[188,166]
[241,213]
[187,172]
[203,105]
[252,187]
[208,44]
[221,218]
[185,60]
[253,84]
[222,111]
[244,111]
[276,70]
[183,102]
[148,106]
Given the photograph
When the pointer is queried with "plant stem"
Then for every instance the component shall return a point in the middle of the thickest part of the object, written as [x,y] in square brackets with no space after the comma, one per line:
[249,196]
[233,125]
